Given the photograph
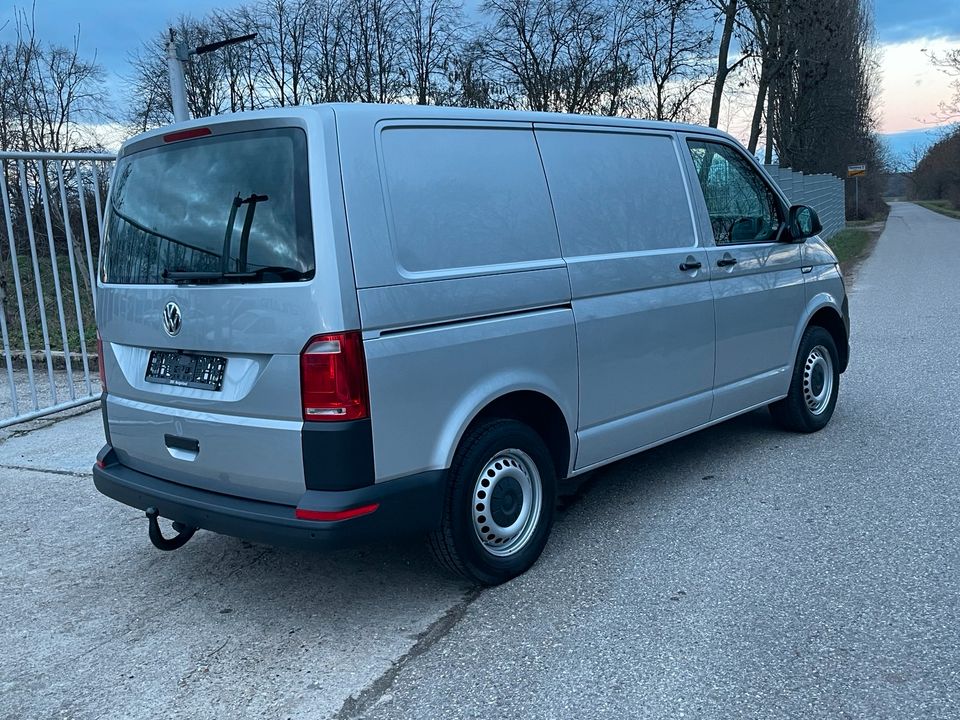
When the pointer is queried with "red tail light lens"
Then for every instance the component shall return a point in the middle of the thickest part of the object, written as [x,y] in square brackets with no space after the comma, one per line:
[103,375]
[333,515]
[186,134]
[333,378]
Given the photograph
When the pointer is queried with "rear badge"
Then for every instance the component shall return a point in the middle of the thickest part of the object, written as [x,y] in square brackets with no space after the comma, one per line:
[171,318]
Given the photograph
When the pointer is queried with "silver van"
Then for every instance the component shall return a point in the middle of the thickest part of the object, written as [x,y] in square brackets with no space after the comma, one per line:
[328,324]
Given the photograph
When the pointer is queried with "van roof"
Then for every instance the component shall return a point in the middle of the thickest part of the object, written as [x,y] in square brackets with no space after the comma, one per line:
[373,112]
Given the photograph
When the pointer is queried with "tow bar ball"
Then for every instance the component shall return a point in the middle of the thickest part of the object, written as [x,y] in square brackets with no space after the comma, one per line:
[184,532]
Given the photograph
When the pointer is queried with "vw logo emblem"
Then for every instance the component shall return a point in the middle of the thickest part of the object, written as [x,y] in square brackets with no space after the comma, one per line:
[171,318]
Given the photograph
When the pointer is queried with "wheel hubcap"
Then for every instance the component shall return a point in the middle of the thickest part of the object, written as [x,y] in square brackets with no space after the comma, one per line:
[507,498]
[818,380]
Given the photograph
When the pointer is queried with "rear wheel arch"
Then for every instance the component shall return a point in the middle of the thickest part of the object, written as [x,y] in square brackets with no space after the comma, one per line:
[539,412]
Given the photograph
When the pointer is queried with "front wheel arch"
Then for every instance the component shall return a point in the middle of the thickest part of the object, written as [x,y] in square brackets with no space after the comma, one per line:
[831,321]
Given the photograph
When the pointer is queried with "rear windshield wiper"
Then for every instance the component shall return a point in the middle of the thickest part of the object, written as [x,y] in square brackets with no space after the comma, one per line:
[272,271]
[264,274]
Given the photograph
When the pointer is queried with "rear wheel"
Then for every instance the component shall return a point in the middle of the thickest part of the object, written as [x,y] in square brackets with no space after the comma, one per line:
[814,387]
[499,505]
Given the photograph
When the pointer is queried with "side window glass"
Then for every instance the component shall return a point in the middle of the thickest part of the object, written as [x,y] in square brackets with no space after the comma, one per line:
[742,208]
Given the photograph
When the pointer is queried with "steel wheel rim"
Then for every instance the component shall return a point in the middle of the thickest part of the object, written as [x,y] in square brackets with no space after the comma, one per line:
[818,380]
[507,498]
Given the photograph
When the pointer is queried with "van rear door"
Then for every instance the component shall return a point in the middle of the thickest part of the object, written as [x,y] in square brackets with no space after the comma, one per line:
[211,284]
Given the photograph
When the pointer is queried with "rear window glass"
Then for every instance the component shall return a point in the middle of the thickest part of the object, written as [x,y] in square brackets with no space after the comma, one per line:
[234,204]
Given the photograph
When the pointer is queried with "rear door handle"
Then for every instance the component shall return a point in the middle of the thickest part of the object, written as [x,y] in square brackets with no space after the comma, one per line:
[726,262]
[695,265]
[175,442]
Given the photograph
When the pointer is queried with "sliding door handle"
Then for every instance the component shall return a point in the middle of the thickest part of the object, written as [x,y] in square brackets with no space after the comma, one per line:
[726,262]
[686,266]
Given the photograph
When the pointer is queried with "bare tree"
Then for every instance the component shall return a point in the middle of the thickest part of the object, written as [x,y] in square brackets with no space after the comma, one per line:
[730,11]
[563,55]
[282,47]
[46,90]
[471,78]
[371,63]
[239,62]
[763,35]
[430,34]
[949,63]
[673,50]
[330,38]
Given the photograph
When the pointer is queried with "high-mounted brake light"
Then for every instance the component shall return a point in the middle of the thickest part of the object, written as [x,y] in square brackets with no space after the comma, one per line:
[186,134]
[103,374]
[333,378]
[331,515]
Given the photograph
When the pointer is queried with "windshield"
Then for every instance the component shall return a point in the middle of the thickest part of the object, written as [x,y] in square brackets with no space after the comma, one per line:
[219,208]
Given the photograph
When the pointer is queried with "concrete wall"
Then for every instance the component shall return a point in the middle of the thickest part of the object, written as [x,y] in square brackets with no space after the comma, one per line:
[824,193]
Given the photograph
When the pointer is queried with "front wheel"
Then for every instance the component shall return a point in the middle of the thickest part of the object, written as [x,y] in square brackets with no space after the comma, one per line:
[814,387]
[499,505]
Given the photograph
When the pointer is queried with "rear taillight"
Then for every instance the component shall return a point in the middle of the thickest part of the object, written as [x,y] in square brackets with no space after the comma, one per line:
[103,375]
[333,378]
[334,515]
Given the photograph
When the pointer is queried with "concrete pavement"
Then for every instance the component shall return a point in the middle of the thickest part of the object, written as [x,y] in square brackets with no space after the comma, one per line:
[99,624]
[740,572]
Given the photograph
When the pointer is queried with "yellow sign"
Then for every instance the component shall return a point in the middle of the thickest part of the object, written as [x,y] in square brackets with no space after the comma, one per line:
[856,170]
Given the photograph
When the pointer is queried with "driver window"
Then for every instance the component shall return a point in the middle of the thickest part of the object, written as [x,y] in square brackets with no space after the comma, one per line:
[743,209]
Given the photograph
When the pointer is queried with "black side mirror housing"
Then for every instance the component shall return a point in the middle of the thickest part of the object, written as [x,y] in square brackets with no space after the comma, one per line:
[803,222]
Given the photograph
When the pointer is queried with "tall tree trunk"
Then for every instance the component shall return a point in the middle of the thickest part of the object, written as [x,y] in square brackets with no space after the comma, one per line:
[757,119]
[768,150]
[723,69]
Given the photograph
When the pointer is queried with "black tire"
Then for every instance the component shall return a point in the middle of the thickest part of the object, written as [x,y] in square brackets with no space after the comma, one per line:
[794,412]
[457,544]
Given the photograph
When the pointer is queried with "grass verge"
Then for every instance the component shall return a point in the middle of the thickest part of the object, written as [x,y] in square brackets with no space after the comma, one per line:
[850,245]
[944,207]
[856,241]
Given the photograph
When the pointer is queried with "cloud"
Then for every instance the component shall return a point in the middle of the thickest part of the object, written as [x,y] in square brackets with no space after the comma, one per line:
[912,89]
[900,21]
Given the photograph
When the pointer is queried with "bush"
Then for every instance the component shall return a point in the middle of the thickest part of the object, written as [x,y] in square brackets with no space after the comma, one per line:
[937,175]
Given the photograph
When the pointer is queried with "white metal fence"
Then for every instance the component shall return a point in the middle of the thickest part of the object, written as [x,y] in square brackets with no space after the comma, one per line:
[49,238]
[824,193]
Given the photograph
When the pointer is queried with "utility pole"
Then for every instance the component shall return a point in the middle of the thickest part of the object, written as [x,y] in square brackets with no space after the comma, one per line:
[178,54]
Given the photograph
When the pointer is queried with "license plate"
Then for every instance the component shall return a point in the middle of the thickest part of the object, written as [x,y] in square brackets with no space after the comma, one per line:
[169,367]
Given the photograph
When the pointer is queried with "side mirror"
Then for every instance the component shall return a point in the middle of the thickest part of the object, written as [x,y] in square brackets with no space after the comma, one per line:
[803,222]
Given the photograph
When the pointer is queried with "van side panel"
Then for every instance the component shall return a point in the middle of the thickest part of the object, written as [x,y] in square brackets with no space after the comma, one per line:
[427,385]
[645,327]
[463,294]
[440,200]
[390,307]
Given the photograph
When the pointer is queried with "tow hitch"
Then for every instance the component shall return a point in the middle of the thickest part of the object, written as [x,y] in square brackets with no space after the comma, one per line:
[184,532]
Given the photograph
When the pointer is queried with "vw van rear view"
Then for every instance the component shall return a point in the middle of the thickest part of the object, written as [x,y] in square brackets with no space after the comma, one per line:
[332,324]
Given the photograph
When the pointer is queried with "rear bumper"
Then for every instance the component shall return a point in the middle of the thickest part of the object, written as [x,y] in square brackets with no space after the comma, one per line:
[409,505]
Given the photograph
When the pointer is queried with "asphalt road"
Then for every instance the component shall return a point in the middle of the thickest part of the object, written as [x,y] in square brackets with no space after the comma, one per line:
[745,572]
[741,572]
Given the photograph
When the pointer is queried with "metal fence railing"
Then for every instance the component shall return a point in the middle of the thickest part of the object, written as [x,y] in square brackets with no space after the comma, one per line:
[824,193]
[50,233]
